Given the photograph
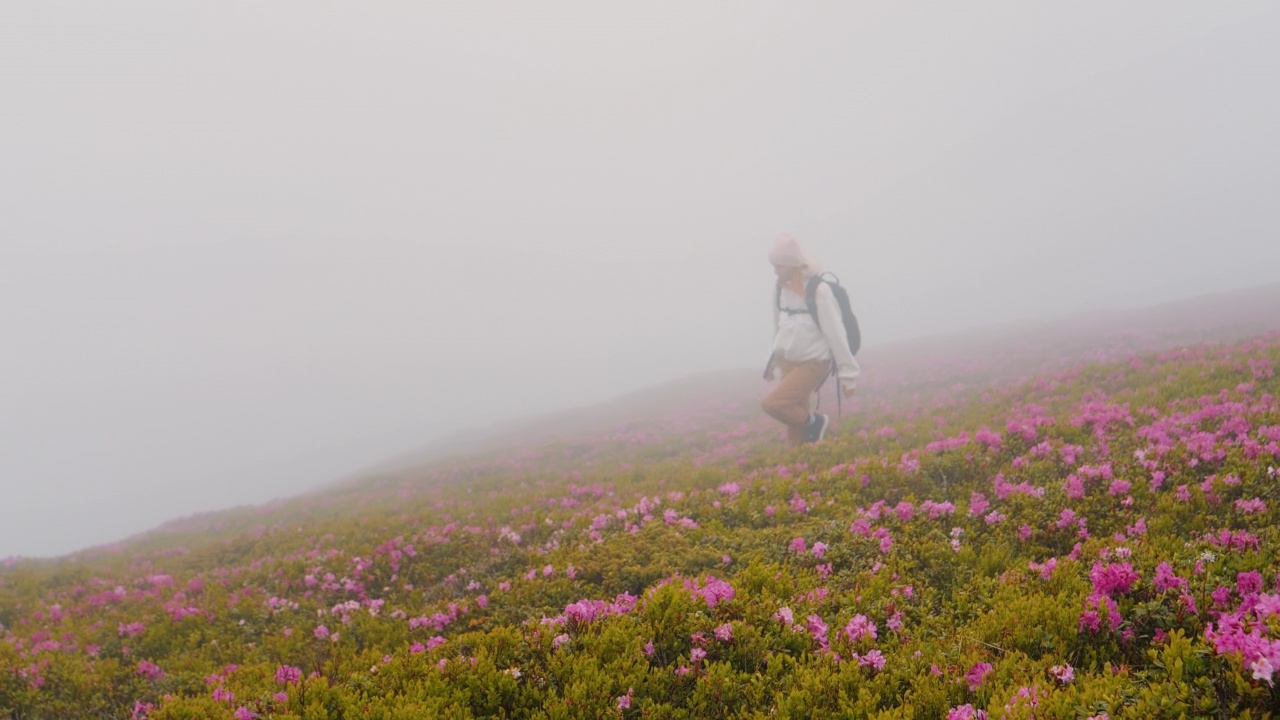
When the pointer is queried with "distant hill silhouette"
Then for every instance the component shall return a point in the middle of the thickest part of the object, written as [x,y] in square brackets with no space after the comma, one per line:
[981,354]
[973,357]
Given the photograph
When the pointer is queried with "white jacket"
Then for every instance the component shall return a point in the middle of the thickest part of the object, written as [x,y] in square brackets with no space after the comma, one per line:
[798,338]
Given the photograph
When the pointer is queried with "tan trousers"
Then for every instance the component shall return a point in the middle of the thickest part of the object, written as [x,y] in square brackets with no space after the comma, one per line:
[790,402]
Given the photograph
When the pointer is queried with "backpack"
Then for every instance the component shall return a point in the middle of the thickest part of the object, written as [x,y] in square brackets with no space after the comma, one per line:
[852,333]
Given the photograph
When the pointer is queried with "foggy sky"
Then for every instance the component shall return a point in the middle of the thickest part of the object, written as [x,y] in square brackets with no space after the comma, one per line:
[247,248]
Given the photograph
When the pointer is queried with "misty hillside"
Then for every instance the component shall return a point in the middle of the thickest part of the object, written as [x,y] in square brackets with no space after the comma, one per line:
[710,416]
[1094,539]
[977,354]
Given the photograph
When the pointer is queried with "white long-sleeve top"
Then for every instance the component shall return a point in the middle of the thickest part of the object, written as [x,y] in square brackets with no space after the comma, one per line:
[798,338]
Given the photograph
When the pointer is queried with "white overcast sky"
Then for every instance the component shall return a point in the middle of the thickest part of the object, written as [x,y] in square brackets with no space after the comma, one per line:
[250,247]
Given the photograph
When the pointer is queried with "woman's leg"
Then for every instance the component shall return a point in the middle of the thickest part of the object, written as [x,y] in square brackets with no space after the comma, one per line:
[789,403]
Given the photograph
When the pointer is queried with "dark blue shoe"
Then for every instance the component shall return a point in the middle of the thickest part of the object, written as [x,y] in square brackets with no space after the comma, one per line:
[816,428]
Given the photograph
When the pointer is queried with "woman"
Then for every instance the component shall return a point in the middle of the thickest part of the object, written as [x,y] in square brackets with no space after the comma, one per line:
[804,347]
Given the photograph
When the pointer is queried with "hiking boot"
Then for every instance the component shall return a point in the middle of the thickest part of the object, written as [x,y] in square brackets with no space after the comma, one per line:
[816,428]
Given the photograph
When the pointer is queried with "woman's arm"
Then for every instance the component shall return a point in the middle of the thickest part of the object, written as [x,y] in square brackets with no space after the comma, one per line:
[833,331]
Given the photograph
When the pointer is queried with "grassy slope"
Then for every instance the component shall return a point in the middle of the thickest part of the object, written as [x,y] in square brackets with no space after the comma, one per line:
[979,604]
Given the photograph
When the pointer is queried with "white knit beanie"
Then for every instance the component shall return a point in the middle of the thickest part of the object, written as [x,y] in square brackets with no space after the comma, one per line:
[786,252]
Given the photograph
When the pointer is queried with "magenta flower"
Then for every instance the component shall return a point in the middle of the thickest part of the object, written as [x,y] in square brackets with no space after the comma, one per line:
[288,675]
[978,504]
[859,628]
[1166,579]
[785,616]
[977,674]
[874,659]
[817,629]
[149,670]
[221,694]
[966,712]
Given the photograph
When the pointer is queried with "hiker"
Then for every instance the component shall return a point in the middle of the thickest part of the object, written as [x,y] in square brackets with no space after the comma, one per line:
[805,348]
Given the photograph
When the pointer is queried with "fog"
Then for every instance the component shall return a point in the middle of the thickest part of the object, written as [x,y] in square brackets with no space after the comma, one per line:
[248,248]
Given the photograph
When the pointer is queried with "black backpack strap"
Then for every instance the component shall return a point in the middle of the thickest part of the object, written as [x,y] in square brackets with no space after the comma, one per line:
[811,297]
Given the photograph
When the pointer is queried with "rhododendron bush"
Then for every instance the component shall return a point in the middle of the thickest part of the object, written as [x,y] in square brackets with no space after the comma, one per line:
[1095,541]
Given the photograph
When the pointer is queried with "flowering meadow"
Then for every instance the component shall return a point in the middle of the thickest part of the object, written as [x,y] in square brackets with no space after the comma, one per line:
[1097,539]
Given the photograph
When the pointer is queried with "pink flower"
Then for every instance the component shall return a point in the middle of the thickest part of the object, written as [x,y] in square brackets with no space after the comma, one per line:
[977,674]
[798,505]
[978,504]
[874,659]
[819,549]
[1112,579]
[895,622]
[624,701]
[288,675]
[1165,578]
[1250,507]
[1263,670]
[243,713]
[149,670]
[859,628]
[966,712]
[221,694]
[817,629]
[785,615]
[321,632]
[798,546]
[724,633]
[1063,673]
[1248,583]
